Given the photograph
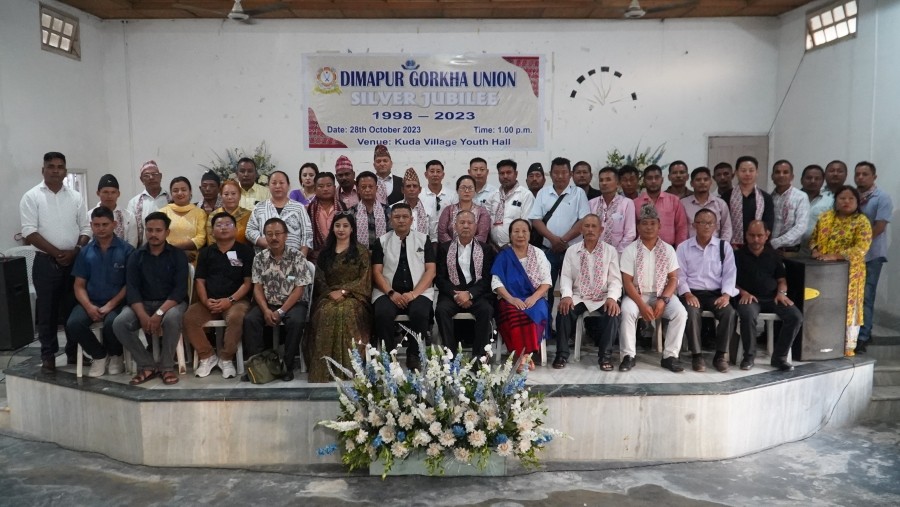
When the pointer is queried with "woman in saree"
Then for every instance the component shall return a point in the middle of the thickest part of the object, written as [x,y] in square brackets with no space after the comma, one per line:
[844,233]
[341,316]
[521,279]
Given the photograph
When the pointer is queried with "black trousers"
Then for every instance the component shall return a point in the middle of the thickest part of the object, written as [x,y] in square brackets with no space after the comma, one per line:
[53,287]
[791,321]
[565,328]
[483,311]
[255,322]
[419,312]
[727,317]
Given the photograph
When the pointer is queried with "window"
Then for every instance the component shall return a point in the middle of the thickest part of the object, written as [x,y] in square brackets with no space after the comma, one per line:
[60,33]
[830,24]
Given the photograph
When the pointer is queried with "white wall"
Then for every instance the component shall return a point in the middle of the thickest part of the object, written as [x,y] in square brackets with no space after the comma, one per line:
[844,104]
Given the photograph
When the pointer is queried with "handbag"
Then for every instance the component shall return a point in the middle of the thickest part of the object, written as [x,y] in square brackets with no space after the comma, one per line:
[265,367]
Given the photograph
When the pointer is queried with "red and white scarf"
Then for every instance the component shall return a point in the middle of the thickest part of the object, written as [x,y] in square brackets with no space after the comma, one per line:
[501,207]
[533,267]
[453,253]
[865,196]
[362,222]
[381,193]
[454,209]
[421,217]
[592,287]
[661,271]
[736,207]
[786,207]
[605,212]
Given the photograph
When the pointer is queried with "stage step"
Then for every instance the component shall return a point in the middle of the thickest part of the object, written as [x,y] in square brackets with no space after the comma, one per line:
[4,415]
[887,372]
[885,405]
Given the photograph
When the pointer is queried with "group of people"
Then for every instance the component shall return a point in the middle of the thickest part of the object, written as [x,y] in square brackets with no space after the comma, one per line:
[353,252]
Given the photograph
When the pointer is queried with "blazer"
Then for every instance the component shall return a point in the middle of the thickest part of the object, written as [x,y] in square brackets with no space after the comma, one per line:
[478,289]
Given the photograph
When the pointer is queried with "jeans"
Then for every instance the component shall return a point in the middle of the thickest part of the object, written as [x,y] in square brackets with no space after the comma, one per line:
[873,272]
[127,325]
[556,261]
[53,305]
[78,330]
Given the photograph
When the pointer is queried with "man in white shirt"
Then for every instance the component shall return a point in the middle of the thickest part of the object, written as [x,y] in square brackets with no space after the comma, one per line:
[590,280]
[108,192]
[512,201]
[649,277]
[811,180]
[153,198]
[478,170]
[436,195]
[54,221]
[791,209]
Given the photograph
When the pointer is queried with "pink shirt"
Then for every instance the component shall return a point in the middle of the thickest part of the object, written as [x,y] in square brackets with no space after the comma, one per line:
[618,220]
[673,223]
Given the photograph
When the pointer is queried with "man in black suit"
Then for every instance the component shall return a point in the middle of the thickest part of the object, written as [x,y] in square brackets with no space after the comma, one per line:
[390,187]
[464,285]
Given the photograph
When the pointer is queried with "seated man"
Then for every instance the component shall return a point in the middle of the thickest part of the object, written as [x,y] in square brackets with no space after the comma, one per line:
[222,282]
[649,276]
[156,288]
[464,285]
[706,283]
[403,270]
[99,273]
[280,275]
[590,280]
[762,284]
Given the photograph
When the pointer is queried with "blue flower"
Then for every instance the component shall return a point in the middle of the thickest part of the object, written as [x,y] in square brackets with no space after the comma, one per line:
[458,431]
[327,450]
[479,391]
[351,393]
[500,439]
[377,442]
[401,436]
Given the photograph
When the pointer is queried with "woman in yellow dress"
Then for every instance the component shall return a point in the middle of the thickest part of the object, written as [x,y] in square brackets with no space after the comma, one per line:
[188,228]
[231,204]
[844,233]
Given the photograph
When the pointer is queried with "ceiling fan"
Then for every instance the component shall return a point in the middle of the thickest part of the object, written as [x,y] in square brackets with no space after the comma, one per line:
[237,12]
[635,11]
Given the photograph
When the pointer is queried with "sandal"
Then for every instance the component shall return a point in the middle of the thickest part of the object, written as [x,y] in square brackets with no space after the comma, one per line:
[606,364]
[169,378]
[143,376]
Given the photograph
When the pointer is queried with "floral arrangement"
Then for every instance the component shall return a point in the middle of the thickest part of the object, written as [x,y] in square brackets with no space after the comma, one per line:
[637,158]
[450,409]
[226,166]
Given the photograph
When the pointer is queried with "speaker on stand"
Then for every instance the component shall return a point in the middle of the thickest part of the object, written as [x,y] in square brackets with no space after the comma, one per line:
[16,327]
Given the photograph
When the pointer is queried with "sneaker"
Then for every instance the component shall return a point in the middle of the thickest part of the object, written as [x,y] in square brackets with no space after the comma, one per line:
[116,366]
[98,367]
[227,368]
[206,365]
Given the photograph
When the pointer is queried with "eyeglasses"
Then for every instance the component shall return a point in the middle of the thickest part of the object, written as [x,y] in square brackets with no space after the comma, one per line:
[466,188]
[224,225]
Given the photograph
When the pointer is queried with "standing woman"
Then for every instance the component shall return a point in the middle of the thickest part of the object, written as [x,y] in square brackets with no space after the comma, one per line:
[521,279]
[307,191]
[341,315]
[231,204]
[188,227]
[844,233]
[299,233]
[465,187]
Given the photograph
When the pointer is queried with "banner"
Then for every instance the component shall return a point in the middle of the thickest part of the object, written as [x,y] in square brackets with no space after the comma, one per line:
[423,102]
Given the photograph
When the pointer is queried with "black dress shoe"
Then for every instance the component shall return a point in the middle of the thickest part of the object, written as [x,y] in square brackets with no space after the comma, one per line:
[627,364]
[721,364]
[48,365]
[288,376]
[747,363]
[73,360]
[559,363]
[245,378]
[782,365]
[672,364]
[861,347]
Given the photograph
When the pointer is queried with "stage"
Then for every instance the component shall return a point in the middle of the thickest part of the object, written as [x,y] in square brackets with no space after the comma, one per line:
[646,415]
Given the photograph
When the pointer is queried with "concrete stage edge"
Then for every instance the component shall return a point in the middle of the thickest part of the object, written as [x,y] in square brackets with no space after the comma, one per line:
[243,427]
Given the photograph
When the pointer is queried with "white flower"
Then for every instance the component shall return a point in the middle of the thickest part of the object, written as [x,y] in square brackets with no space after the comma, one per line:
[406,420]
[435,428]
[421,438]
[428,415]
[350,446]
[462,454]
[493,423]
[394,406]
[471,416]
[434,449]
[375,419]
[504,449]
[341,426]
[524,445]
[477,438]
[397,373]
[387,434]
[525,426]
[362,436]
[447,439]
[359,417]
[399,450]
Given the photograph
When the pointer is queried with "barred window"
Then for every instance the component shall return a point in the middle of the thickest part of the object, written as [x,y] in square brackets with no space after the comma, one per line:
[60,33]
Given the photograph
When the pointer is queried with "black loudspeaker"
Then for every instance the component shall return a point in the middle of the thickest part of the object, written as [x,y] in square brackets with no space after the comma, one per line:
[16,328]
[819,289]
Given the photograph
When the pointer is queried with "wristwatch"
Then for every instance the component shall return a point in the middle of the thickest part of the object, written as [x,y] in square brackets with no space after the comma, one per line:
[390,293]
[665,299]
[343,292]
[160,312]
[280,312]
[231,299]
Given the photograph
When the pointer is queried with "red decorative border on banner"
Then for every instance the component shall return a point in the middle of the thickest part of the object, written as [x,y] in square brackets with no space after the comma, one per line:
[317,138]
[531,65]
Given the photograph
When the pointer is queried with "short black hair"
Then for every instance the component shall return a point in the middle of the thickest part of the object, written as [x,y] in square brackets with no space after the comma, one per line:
[812,167]
[275,220]
[103,212]
[508,163]
[478,159]
[866,163]
[609,169]
[652,168]
[400,205]
[835,161]
[464,177]
[628,169]
[582,162]
[783,161]
[705,210]
[514,222]
[180,179]
[677,162]
[433,162]
[311,165]
[158,215]
[50,155]
[561,161]
[747,158]
[700,170]
[366,174]
[287,178]
[248,159]
[723,165]
[220,215]
[325,174]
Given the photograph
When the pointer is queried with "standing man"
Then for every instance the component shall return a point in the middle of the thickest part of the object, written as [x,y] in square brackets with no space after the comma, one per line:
[251,191]
[649,277]
[153,198]
[590,280]
[421,222]
[835,176]
[723,173]
[747,202]
[878,207]
[125,226]
[811,181]
[54,221]
[478,170]
[582,174]
[556,216]
[222,283]
[209,189]
[280,275]
[373,219]
[791,209]
[701,199]
[322,211]
[436,195]
[629,179]
[673,222]
[707,283]
[99,273]
[156,279]
[464,285]
[535,179]
[390,187]
[403,269]
[512,201]
[346,180]
[615,210]
[762,287]
[678,176]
